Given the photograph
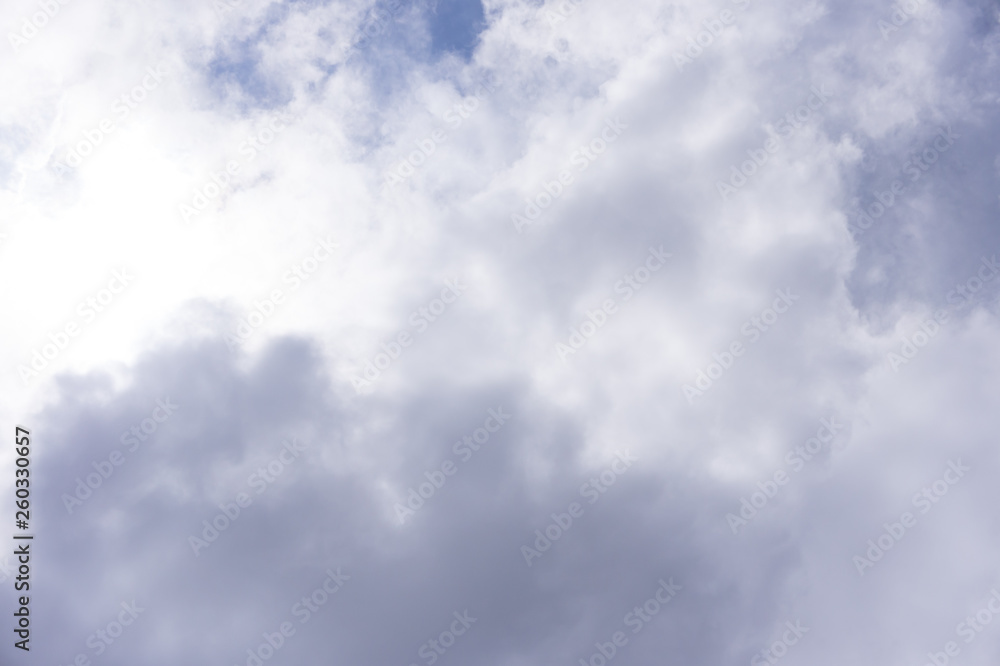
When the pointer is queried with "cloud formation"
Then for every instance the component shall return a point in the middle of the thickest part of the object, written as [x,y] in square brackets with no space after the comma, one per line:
[510,332]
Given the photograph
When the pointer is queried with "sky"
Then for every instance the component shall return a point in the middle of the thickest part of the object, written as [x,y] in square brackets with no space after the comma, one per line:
[502,333]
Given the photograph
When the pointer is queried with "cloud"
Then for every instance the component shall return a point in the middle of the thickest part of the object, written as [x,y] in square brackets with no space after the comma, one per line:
[344,165]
